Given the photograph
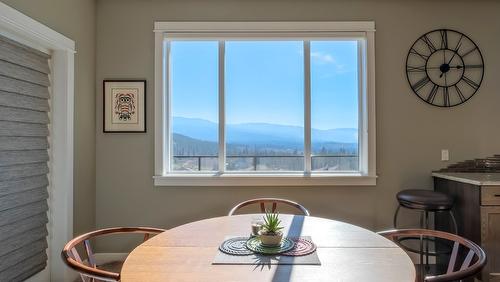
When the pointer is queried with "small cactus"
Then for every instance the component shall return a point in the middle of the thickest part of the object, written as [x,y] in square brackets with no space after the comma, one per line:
[271,224]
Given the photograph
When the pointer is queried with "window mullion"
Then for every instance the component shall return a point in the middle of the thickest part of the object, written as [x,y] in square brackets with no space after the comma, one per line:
[168,154]
[222,112]
[362,110]
[307,107]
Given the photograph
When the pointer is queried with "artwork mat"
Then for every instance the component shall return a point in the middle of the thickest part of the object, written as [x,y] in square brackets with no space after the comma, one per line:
[126,91]
[110,124]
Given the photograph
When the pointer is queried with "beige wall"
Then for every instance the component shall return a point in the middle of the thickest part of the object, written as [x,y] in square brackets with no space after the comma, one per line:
[76,20]
[410,133]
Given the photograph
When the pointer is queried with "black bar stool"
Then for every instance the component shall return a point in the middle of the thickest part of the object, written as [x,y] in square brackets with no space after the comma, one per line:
[425,201]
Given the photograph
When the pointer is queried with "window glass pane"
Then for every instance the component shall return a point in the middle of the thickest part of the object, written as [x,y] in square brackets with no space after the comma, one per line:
[194,95]
[334,105]
[264,86]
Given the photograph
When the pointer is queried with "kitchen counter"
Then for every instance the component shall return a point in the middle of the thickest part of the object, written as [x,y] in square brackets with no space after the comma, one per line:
[474,178]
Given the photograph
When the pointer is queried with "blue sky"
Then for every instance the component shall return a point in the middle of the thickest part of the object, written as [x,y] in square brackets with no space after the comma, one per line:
[264,82]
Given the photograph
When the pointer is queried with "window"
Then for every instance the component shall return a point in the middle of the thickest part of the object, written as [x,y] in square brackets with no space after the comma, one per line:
[264,104]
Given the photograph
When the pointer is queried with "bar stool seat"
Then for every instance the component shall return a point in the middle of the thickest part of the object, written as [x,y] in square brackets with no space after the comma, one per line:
[424,200]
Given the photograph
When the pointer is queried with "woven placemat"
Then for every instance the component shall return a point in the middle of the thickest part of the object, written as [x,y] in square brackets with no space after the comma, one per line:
[235,246]
[304,253]
[302,247]
[256,246]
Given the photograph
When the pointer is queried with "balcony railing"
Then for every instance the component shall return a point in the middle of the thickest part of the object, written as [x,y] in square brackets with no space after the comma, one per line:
[267,163]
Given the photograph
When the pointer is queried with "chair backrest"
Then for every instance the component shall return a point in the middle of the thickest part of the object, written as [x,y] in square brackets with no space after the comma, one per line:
[472,263]
[274,203]
[87,268]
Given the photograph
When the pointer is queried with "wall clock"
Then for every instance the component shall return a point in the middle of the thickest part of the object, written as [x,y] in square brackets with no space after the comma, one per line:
[444,68]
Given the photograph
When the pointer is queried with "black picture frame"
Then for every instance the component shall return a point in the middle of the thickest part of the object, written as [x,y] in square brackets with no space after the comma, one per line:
[142,107]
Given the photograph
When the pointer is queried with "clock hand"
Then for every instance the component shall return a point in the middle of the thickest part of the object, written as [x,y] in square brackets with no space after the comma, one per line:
[456,67]
[451,67]
[444,62]
[455,52]
[444,57]
[466,66]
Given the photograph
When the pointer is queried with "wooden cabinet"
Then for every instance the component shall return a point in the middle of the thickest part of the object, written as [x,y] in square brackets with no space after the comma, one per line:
[490,238]
[477,210]
[490,196]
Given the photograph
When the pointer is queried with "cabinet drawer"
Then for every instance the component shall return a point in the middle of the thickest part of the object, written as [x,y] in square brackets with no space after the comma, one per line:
[490,195]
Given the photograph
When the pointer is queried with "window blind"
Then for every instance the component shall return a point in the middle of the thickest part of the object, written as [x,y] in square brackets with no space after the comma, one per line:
[24,119]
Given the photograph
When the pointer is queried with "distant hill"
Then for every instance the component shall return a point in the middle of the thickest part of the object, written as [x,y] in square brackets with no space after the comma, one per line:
[261,133]
[187,146]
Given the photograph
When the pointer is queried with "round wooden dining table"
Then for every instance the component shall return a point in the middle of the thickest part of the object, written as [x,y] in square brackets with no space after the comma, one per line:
[346,252]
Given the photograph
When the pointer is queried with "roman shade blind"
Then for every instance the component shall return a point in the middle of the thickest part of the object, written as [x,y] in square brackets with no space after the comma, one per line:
[24,119]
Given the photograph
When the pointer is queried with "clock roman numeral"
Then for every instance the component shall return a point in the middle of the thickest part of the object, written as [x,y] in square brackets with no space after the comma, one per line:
[421,83]
[432,94]
[459,43]
[422,56]
[446,97]
[468,52]
[459,93]
[444,39]
[429,43]
[415,69]
[471,83]
[473,66]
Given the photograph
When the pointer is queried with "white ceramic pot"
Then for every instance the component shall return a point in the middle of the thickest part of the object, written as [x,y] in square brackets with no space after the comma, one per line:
[270,240]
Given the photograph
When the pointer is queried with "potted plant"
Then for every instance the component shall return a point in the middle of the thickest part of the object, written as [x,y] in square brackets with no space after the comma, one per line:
[270,233]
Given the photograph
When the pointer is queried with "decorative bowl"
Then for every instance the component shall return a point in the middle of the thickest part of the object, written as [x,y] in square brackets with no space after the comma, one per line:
[270,240]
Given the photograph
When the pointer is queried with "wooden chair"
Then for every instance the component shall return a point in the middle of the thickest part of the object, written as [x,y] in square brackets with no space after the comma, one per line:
[273,201]
[471,263]
[87,268]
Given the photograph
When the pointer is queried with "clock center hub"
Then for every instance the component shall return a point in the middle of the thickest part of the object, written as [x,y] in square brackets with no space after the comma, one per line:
[444,68]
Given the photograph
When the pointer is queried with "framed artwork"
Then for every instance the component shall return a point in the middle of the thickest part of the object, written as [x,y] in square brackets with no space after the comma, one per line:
[124,106]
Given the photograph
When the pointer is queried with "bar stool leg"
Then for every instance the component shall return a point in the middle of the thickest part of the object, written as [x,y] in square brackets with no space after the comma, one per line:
[421,259]
[454,221]
[395,219]
[427,241]
[422,220]
[422,243]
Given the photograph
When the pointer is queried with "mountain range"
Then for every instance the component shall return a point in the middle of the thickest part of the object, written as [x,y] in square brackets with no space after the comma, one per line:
[260,133]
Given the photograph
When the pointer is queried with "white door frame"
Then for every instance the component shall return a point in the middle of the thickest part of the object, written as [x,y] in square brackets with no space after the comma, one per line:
[25,30]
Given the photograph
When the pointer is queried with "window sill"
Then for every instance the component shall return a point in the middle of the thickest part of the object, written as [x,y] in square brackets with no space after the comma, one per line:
[267,180]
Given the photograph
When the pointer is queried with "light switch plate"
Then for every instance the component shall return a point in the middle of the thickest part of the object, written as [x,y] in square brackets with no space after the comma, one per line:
[445,155]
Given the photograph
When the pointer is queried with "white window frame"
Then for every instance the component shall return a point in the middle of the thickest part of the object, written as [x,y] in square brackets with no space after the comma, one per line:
[364,31]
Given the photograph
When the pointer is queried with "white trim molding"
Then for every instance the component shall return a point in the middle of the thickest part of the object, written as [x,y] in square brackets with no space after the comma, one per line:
[362,31]
[264,180]
[293,27]
[27,31]
[23,29]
